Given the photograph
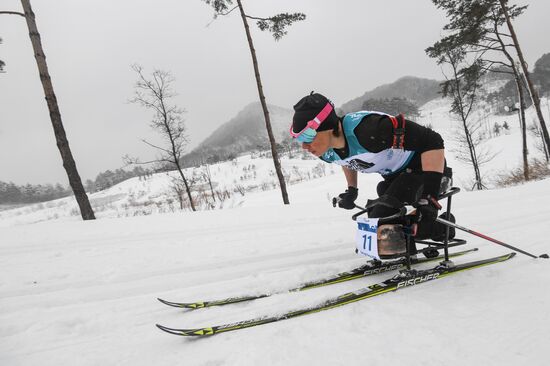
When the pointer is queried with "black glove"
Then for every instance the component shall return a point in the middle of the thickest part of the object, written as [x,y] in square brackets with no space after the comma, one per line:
[347,199]
[427,209]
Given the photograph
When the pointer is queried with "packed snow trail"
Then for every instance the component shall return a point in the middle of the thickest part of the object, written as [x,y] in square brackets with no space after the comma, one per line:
[84,293]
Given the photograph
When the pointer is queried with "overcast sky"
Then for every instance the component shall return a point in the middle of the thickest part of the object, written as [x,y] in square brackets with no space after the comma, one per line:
[343,49]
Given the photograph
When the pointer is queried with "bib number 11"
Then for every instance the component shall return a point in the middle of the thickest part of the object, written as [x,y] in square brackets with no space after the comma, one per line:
[367,237]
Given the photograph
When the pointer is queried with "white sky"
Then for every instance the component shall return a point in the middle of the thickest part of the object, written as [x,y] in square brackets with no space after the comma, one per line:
[343,49]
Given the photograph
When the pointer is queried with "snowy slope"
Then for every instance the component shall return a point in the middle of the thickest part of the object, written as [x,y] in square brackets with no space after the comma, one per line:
[83,293]
[232,182]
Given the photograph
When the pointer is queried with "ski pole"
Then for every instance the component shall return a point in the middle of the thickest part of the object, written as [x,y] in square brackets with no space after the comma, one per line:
[449,223]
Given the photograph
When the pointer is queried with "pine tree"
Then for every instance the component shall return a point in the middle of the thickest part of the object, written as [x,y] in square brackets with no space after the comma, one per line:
[477,27]
[69,163]
[277,26]
[507,11]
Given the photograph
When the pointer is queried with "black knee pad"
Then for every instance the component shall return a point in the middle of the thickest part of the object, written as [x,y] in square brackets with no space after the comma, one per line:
[384,206]
[382,187]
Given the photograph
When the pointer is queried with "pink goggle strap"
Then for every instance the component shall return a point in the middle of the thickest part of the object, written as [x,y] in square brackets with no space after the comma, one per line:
[315,122]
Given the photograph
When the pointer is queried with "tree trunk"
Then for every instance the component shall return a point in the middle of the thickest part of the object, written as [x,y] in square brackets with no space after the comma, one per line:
[523,122]
[176,157]
[521,98]
[546,152]
[209,177]
[187,188]
[473,155]
[532,91]
[61,138]
[274,153]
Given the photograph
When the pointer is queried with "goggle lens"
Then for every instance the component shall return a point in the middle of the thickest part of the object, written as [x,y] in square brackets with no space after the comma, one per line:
[307,136]
[310,130]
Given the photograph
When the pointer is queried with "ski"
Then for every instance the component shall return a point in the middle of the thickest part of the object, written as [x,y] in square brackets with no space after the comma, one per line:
[365,270]
[397,282]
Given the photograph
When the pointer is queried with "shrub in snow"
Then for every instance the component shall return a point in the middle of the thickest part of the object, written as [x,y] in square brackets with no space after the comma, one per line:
[538,170]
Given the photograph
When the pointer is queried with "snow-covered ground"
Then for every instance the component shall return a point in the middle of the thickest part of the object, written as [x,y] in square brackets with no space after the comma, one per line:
[84,293]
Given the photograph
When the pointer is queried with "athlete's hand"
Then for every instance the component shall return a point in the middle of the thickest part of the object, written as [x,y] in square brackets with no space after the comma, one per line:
[347,199]
[427,209]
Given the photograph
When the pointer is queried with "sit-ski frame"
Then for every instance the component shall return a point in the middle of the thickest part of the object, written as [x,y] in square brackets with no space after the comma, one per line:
[409,211]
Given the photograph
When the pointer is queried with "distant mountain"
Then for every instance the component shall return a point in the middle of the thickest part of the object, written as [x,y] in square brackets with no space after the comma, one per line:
[246,131]
[243,133]
[418,90]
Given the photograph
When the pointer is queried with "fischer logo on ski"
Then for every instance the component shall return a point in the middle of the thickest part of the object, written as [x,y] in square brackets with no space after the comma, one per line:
[417,280]
[384,269]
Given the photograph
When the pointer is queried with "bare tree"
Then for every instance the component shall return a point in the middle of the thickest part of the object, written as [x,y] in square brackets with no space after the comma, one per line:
[207,176]
[462,87]
[277,26]
[479,154]
[69,164]
[539,144]
[180,190]
[532,90]
[154,93]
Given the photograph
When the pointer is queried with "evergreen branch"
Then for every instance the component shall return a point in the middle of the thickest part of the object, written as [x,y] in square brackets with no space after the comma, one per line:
[229,11]
[277,24]
[502,63]
[220,6]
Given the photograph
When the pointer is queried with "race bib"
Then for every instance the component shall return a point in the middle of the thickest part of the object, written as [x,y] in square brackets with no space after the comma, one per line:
[367,237]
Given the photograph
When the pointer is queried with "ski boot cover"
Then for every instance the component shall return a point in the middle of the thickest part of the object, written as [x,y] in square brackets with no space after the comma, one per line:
[384,241]
[391,241]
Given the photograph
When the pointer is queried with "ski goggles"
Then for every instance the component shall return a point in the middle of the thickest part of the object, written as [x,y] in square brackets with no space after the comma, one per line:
[308,133]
